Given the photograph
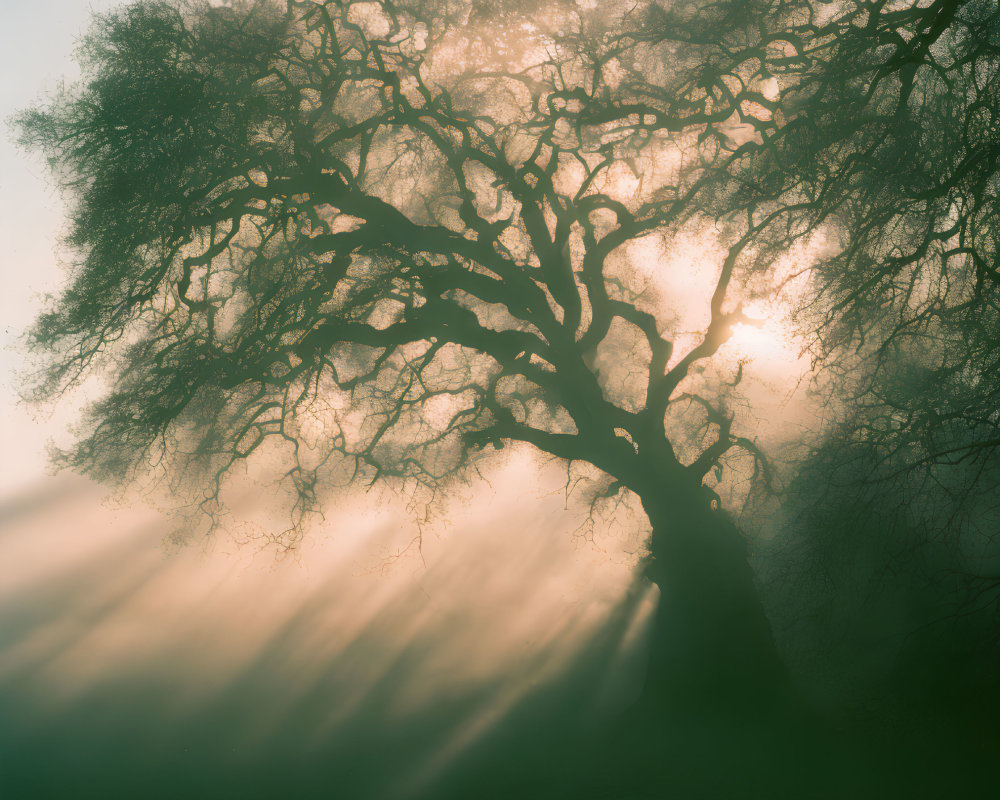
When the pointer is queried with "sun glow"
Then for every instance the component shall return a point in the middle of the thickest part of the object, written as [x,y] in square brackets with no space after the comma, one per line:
[674,277]
[769,342]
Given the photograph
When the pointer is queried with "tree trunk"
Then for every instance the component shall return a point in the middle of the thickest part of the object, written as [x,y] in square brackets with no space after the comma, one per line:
[712,650]
[717,716]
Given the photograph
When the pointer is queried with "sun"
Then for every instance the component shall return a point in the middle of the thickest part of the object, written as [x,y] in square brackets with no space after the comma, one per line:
[769,341]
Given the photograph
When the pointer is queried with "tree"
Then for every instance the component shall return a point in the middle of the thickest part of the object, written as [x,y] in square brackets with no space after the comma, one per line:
[893,141]
[893,144]
[889,140]
[390,236]
[378,240]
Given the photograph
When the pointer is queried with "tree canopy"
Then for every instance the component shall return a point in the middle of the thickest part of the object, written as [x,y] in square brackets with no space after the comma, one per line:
[383,237]
[391,234]
[893,141]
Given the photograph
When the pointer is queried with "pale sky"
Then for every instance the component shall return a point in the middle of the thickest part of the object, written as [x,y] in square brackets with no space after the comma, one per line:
[37,39]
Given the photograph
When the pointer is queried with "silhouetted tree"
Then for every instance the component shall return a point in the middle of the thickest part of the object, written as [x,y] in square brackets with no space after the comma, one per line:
[890,141]
[389,235]
[376,240]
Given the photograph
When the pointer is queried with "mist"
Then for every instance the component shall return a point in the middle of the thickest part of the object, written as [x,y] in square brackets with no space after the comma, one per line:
[585,461]
[357,663]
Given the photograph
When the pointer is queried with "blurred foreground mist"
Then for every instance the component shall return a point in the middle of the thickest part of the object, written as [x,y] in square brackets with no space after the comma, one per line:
[358,665]
[494,656]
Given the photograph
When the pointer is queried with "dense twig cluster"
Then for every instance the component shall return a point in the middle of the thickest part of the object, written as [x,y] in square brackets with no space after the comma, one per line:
[375,234]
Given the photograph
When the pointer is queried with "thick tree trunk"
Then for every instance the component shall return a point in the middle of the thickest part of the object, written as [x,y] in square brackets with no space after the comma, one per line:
[712,650]
[718,716]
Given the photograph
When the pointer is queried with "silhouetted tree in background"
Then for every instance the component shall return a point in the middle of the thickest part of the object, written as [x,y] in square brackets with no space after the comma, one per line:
[886,581]
[893,139]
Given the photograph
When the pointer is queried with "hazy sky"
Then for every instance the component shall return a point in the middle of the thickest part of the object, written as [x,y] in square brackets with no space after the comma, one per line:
[36,46]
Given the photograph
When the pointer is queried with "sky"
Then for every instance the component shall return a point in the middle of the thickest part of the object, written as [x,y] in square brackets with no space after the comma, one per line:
[36,46]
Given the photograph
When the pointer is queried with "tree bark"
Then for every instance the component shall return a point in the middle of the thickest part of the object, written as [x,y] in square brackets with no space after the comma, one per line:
[712,650]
